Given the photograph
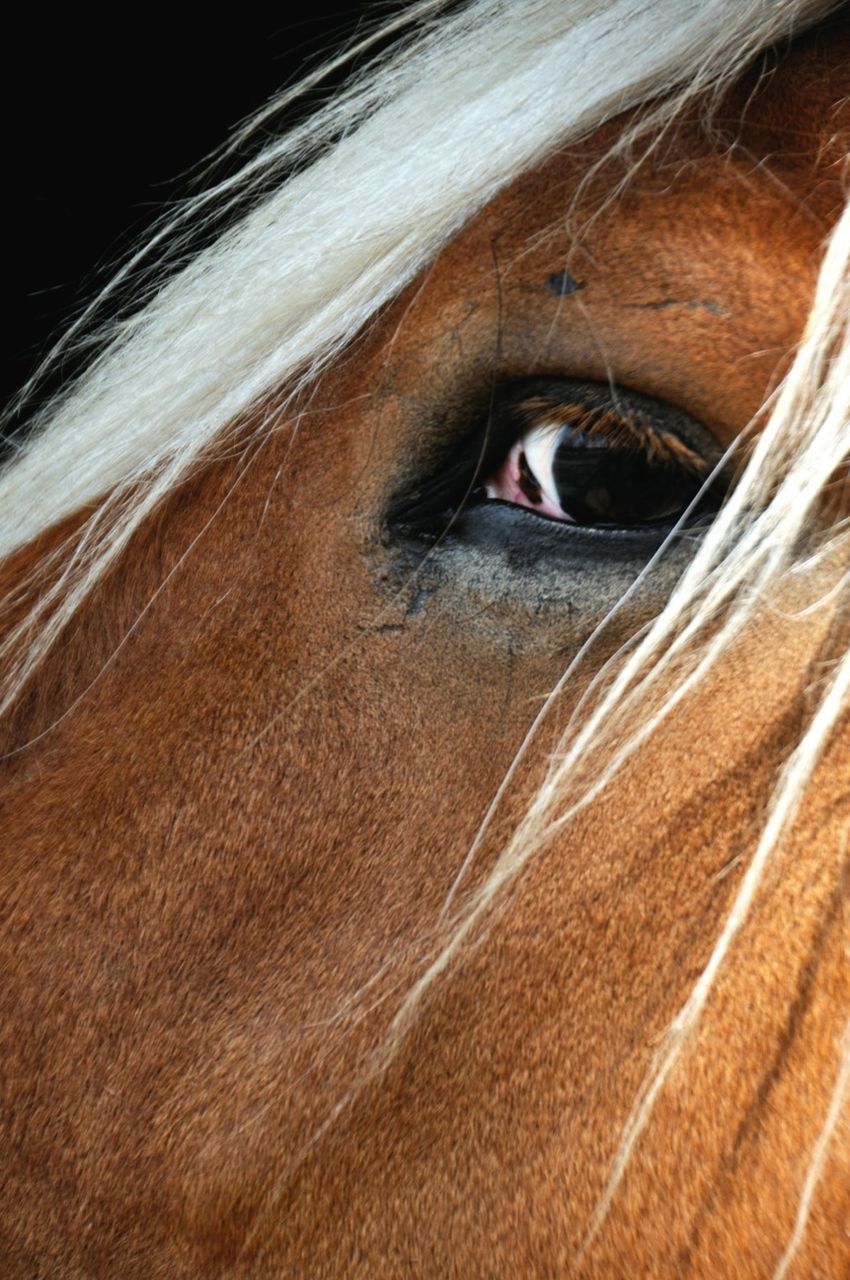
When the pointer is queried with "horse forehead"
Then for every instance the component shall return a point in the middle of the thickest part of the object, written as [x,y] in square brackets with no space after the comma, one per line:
[704,263]
[780,133]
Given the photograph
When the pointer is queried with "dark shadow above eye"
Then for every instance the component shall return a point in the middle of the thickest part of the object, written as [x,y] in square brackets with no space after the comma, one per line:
[577,454]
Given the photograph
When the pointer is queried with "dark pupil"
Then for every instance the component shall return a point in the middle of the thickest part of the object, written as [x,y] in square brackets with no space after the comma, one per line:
[599,483]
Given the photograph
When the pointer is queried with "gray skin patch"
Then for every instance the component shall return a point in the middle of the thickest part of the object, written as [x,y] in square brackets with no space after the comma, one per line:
[562,284]
[517,578]
[418,602]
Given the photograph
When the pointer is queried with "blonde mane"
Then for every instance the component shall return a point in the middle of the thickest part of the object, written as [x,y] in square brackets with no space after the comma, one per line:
[383,176]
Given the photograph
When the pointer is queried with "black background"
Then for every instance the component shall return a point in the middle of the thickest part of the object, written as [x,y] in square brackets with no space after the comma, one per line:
[103,123]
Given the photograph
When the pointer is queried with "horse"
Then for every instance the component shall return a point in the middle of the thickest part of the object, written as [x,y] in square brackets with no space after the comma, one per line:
[424,805]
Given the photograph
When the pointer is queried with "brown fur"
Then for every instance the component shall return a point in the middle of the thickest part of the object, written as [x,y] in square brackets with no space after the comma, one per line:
[265,795]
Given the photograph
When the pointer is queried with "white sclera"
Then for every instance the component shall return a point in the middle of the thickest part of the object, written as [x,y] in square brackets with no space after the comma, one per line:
[539,447]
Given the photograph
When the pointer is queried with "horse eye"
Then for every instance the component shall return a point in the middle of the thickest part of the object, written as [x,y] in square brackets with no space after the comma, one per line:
[610,471]
[579,453]
[606,461]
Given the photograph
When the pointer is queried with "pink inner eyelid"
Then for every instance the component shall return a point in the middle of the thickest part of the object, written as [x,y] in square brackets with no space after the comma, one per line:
[505,485]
